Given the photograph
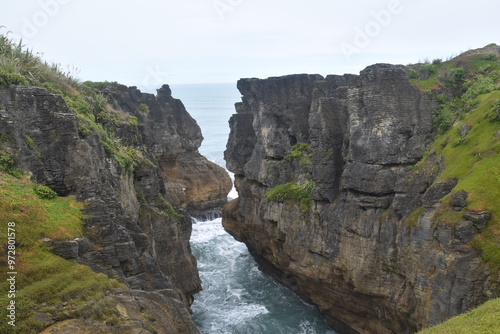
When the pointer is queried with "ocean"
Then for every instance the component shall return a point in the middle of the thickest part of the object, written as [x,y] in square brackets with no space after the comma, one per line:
[237,297]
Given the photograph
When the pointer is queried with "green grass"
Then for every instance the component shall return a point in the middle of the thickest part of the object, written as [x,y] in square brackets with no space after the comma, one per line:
[452,73]
[475,163]
[482,320]
[295,192]
[21,66]
[300,152]
[412,220]
[167,208]
[42,277]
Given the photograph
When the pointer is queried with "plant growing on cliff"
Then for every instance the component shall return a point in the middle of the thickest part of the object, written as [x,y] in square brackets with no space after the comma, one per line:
[47,279]
[44,192]
[12,78]
[299,192]
[143,108]
[300,152]
[7,165]
[474,166]
[19,65]
[167,208]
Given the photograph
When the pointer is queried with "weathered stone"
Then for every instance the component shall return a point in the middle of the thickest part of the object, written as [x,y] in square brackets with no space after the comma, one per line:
[480,219]
[84,246]
[465,231]
[42,318]
[465,129]
[459,200]
[65,249]
[368,252]
[126,235]
[438,191]
[134,312]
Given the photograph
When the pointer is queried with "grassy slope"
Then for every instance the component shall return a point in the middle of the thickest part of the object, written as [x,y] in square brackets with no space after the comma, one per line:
[483,320]
[46,282]
[475,161]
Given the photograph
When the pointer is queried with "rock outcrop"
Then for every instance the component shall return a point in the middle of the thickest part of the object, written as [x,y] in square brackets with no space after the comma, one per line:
[126,182]
[366,249]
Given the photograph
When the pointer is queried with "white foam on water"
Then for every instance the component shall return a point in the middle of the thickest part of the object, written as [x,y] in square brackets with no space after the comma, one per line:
[239,299]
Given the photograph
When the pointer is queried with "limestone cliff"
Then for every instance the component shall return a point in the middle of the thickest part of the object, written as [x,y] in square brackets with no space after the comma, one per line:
[331,206]
[130,161]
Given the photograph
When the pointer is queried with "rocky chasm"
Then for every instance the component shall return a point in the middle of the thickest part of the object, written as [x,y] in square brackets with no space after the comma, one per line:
[356,247]
[131,231]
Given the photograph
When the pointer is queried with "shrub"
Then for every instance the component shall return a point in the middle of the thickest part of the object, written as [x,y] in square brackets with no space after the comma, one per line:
[7,165]
[427,70]
[483,85]
[97,103]
[143,108]
[437,61]
[456,77]
[78,105]
[489,57]
[44,192]
[443,118]
[12,79]
[83,130]
[29,141]
[412,74]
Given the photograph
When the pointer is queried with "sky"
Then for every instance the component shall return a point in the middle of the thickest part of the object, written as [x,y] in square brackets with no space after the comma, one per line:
[152,42]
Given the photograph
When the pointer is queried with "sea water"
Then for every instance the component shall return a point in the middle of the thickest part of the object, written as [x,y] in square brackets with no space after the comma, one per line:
[237,298]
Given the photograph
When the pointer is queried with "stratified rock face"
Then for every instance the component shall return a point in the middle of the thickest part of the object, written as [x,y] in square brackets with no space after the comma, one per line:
[355,253]
[173,137]
[127,235]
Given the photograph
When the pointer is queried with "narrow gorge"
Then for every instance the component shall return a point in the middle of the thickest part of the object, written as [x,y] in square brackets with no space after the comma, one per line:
[342,200]
[373,197]
[130,158]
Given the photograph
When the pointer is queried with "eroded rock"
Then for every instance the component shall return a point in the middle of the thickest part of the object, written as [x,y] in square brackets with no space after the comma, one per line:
[367,252]
[128,234]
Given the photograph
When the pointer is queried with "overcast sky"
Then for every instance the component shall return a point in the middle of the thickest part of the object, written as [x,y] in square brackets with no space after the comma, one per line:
[151,42]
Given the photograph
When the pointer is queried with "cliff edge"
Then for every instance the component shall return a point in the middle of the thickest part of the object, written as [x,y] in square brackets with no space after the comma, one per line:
[132,160]
[342,198]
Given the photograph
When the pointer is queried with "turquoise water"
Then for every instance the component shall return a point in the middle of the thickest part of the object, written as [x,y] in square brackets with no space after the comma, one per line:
[237,298]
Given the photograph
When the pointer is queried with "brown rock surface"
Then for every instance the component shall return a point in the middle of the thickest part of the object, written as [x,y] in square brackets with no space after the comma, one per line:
[130,234]
[357,253]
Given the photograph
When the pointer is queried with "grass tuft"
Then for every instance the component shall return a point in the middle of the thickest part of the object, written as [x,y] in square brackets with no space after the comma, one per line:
[298,192]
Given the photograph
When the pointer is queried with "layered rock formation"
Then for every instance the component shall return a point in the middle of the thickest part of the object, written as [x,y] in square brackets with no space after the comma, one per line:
[365,249]
[131,232]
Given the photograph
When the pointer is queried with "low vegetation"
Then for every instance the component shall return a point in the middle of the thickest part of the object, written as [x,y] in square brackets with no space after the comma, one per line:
[167,208]
[483,320]
[45,283]
[298,192]
[469,95]
[467,89]
[474,161]
[21,66]
[457,84]
[300,152]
